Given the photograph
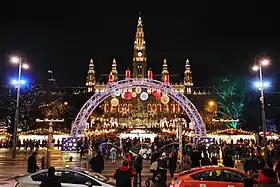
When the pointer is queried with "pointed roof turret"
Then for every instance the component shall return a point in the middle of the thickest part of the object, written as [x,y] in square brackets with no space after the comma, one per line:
[188,74]
[114,69]
[139,42]
[165,67]
[187,62]
[114,64]
[91,76]
[139,52]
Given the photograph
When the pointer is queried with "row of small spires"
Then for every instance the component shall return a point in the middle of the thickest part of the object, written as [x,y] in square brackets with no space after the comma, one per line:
[196,91]
[165,73]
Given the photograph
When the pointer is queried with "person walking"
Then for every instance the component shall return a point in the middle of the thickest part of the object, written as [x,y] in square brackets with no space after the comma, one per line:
[43,161]
[51,179]
[97,163]
[163,166]
[113,152]
[124,174]
[138,166]
[32,166]
[172,164]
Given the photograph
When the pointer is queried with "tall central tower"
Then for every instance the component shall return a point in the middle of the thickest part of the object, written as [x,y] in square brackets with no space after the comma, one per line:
[139,53]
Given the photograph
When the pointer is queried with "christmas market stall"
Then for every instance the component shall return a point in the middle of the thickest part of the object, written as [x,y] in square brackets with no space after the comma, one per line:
[229,135]
[42,134]
[4,135]
[138,133]
[270,135]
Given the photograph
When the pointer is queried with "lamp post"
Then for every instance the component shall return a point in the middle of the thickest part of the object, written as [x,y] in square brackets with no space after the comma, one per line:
[258,67]
[18,61]
[50,145]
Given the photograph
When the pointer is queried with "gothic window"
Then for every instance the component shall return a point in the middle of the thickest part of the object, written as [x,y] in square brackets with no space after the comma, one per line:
[178,108]
[124,108]
[149,107]
[113,109]
[129,107]
[106,108]
[159,107]
[154,107]
[139,70]
[165,108]
[119,107]
[172,108]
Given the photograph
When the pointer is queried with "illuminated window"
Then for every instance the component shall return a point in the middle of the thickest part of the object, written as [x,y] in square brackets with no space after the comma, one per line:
[159,107]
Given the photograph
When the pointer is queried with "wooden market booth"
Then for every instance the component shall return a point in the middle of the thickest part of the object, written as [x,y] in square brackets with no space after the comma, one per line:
[232,134]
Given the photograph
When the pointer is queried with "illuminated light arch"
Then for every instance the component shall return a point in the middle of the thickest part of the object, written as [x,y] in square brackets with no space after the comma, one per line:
[81,120]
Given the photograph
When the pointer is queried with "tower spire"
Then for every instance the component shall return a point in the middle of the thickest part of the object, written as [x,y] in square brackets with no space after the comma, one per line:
[165,72]
[91,77]
[165,67]
[188,76]
[114,70]
[139,54]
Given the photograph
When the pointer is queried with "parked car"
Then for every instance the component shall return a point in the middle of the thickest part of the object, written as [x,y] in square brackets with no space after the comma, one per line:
[211,176]
[68,177]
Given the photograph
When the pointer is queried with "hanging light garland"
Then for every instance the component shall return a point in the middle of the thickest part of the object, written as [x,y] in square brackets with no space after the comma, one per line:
[117,93]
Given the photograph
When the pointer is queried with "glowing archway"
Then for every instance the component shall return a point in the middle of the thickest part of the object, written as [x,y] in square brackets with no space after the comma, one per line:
[80,122]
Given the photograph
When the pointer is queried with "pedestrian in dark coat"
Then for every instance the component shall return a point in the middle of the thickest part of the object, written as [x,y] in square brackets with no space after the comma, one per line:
[32,166]
[172,164]
[138,166]
[124,174]
[43,161]
[51,180]
[97,163]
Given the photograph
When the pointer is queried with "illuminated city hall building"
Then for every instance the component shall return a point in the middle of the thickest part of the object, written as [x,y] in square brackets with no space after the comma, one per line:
[140,108]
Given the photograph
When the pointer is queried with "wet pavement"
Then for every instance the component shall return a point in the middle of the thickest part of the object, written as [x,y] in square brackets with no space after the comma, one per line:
[10,168]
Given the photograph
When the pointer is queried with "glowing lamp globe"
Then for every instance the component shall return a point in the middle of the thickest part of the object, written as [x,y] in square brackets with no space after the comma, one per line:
[154,92]
[265,62]
[127,95]
[138,90]
[134,94]
[144,96]
[158,97]
[115,102]
[15,59]
[165,99]
[25,66]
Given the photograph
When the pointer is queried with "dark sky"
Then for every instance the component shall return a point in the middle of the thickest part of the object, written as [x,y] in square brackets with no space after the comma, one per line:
[218,38]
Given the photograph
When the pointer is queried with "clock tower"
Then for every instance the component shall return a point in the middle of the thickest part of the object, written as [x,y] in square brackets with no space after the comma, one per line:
[139,53]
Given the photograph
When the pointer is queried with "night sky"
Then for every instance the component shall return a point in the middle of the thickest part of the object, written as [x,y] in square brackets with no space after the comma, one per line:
[219,39]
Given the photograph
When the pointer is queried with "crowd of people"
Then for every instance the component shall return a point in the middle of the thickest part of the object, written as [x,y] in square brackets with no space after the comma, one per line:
[164,158]
[27,144]
[195,154]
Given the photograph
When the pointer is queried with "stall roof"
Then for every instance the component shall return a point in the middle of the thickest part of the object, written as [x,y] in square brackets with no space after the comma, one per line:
[232,131]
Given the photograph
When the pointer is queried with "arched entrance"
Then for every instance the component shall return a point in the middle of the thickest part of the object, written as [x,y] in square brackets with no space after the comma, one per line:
[80,122]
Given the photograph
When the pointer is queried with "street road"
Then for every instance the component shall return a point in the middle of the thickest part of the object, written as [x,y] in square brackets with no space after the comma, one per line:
[10,169]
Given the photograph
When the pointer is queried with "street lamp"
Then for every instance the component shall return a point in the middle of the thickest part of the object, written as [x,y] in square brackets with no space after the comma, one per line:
[18,83]
[260,62]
